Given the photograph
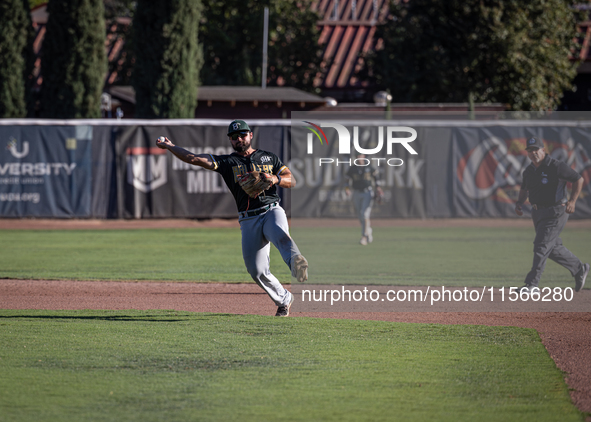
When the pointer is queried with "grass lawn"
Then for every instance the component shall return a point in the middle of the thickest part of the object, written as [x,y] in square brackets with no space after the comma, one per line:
[162,254]
[398,255]
[178,366]
[472,256]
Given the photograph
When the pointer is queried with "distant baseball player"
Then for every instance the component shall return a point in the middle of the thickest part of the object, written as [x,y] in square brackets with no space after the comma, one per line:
[363,180]
[544,180]
[252,176]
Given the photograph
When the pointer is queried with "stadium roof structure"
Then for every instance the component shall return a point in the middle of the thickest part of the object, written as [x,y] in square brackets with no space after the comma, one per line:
[246,101]
[234,94]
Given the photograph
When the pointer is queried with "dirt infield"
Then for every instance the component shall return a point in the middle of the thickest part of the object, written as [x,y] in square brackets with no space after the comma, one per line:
[566,336]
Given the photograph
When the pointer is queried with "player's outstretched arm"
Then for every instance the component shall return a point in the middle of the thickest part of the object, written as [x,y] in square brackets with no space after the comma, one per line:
[202,160]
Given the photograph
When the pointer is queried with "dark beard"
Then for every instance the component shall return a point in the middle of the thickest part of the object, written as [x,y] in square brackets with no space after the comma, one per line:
[241,148]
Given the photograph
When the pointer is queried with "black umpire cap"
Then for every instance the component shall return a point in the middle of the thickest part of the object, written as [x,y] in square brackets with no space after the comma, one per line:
[534,143]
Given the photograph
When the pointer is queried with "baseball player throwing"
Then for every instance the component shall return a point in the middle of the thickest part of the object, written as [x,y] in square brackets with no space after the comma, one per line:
[253,176]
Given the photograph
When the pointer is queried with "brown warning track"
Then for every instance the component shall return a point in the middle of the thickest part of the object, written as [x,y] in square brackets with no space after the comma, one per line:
[566,336]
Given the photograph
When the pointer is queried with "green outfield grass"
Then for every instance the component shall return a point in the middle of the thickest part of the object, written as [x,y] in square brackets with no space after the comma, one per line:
[179,366]
[398,255]
[161,254]
[471,256]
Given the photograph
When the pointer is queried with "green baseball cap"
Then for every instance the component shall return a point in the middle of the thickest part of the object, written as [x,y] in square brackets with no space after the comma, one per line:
[238,126]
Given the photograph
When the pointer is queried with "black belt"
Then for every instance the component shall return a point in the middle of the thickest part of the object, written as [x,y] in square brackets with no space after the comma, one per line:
[367,189]
[257,211]
[541,207]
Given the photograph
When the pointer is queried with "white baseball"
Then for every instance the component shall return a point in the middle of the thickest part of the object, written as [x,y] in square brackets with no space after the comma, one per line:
[162,139]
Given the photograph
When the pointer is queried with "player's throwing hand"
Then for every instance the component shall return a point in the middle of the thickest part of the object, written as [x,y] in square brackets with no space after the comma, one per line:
[163,143]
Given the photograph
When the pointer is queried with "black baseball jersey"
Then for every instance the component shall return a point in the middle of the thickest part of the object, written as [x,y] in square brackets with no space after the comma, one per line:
[362,177]
[546,184]
[233,165]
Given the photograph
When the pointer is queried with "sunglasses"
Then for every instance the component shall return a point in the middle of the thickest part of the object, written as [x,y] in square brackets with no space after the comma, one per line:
[240,134]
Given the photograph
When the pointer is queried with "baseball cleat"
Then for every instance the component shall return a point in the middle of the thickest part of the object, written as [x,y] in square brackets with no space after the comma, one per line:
[526,288]
[283,311]
[363,240]
[300,268]
[580,277]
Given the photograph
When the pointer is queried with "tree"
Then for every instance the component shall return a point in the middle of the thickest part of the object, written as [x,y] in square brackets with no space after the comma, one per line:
[514,52]
[16,56]
[118,8]
[167,58]
[118,15]
[73,59]
[232,39]
[35,3]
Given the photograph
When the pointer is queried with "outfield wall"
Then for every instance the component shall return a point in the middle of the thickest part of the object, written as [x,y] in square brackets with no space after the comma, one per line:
[112,169]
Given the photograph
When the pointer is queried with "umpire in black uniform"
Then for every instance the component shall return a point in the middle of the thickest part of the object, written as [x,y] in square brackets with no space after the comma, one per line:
[545,181]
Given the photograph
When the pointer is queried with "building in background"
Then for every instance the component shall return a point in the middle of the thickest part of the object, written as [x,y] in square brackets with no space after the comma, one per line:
[347,33]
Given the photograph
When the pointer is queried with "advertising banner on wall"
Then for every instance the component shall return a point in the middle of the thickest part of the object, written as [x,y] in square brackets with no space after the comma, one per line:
[45,171]
[488,164]
[451,168]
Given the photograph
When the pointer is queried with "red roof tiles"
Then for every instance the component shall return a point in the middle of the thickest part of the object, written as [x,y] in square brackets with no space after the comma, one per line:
[347,28]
